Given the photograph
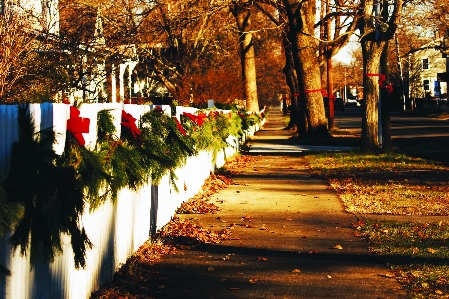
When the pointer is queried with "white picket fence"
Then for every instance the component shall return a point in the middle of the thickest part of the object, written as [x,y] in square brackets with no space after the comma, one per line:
[117,229]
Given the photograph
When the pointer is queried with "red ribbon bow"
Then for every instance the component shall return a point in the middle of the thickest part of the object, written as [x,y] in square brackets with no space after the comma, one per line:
[180,128]
[197,119]
[129,122]
[77,125]
[382,78]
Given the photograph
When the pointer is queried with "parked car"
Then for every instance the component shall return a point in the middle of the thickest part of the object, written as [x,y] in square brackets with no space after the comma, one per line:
[352,100]
[339,104]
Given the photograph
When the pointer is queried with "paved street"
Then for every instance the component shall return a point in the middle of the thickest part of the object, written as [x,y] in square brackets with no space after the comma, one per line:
[421,136]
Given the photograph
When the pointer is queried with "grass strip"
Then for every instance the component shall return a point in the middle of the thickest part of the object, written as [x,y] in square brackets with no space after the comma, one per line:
[395,184]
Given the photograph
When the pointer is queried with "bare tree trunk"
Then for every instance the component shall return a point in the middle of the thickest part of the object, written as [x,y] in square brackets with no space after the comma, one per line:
[373,41]
[371,51]
[385,91]
[242,14]
[298,117]
[304,48]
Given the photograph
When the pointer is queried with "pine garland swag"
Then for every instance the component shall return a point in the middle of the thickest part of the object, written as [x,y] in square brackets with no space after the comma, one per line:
[162,139]
[90,171]
[122,160]
[52,199]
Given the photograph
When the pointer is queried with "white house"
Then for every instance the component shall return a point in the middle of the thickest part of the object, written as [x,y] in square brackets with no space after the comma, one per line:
[426,64]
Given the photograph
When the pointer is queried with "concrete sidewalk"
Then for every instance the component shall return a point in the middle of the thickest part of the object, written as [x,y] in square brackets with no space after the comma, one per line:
[291,237]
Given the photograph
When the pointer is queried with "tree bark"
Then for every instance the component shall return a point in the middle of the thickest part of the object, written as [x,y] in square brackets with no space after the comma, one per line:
[373,41]
[304,49]
[242,14]
[385,91]
[371,51]
[298,117]
[330,80]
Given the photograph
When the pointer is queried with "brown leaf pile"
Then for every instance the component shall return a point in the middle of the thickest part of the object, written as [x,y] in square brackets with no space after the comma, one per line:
[185,235]
[238,163]
[199,204]
[127,279]
[130,279]
[178,233]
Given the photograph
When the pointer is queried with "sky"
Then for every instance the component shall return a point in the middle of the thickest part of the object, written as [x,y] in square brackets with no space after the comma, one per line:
[344,55]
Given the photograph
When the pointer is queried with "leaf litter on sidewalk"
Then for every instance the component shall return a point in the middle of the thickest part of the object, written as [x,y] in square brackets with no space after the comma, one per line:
[179,234]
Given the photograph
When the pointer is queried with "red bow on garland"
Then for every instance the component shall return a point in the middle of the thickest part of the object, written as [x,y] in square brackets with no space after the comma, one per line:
[129,122]
[77,125]
[180,128]
[198,119]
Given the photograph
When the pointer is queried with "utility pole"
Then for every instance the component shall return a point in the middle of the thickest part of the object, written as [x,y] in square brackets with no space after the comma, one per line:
[377,11]
[330,84]
[400,68]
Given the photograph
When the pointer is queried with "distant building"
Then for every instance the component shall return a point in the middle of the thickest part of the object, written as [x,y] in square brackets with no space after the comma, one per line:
[425,66]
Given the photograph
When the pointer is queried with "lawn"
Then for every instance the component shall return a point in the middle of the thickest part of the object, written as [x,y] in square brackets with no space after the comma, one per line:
[394,184]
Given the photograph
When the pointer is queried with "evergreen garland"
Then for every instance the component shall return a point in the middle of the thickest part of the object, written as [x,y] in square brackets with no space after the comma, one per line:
[90,171]
[162,139]
[248,120]
[122,160]
[51,194]
[212,132]
[235,125]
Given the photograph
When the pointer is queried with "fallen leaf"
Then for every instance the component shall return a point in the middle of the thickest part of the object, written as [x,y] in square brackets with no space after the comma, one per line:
[254,280]
[162,286]
[388,275]
[296,271]
[210,269]
[246,218]
[338,247]
[329,276]
[438,292]
[431,250]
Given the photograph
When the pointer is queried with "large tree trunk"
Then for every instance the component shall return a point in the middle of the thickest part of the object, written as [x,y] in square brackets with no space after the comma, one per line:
[242,14]
[385,91]
[371,51]
[298,117]
[374,40]
[304,48]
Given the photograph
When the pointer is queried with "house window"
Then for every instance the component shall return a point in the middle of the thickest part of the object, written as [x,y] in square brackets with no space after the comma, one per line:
[426,84]
[425,64]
